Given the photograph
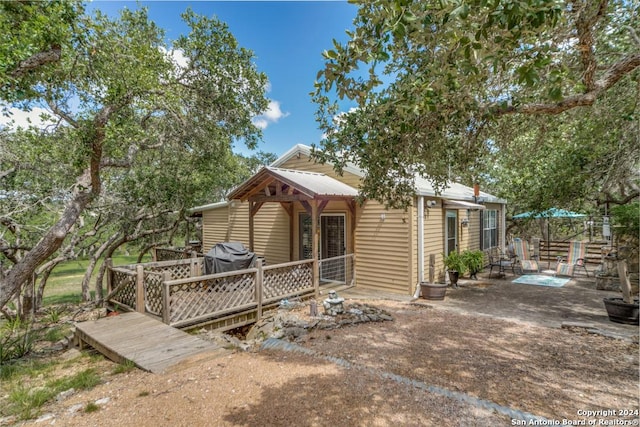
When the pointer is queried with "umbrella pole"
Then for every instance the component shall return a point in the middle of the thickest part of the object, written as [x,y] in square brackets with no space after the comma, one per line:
[548,246]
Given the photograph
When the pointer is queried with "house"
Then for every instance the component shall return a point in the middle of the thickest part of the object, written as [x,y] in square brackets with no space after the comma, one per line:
[272,213]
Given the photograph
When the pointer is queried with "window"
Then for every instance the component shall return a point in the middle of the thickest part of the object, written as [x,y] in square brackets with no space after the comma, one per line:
[489,229]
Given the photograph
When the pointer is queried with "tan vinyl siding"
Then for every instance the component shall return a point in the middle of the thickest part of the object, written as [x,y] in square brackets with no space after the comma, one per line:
[215,227]
[270,230]
[239,222]
[412,246]
[434,240]
[305,164]
[475,229]
[271,233]
[382,253]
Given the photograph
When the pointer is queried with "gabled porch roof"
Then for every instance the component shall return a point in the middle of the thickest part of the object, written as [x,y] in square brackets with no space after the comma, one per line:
[285,185]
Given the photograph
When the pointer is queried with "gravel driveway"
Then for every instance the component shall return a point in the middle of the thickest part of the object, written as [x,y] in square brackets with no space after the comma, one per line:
[491,354]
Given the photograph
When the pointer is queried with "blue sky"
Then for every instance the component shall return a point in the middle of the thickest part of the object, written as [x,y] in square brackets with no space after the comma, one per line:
[287,38]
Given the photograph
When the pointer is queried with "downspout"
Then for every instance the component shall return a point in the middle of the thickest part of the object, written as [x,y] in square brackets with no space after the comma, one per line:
[416,294]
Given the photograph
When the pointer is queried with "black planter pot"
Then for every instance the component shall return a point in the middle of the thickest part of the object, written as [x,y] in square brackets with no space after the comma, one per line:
[453,277]
[433,291]
[622,312]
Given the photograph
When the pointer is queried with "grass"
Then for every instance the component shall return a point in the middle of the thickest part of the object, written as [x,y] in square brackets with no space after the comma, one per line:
[121,368]
[64,286]
[91,407]
[27,383]
[25,400]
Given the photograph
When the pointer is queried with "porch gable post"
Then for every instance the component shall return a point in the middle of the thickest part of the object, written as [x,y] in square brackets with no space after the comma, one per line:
[315,246]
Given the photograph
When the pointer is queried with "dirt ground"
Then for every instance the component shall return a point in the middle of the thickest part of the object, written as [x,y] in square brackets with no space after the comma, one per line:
[430,366]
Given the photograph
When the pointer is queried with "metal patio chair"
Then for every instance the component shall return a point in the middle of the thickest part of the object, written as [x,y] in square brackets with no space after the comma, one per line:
[501,260]
[574,259]
[524,260]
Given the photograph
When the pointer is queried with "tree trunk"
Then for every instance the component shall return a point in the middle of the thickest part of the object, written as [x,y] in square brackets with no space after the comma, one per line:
[27,307]
[86,280]
[20,274]
[44,276]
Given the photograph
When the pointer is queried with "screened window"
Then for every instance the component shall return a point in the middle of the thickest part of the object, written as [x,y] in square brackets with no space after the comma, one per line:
[489,229]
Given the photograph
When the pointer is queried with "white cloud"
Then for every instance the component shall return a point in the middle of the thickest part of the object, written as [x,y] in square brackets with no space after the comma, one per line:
[272,115]
[260,123]
[177,58]
[13,118]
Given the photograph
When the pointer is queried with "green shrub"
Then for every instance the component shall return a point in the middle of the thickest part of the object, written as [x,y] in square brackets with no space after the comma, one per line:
[16,340]
[473,260]
[455,262]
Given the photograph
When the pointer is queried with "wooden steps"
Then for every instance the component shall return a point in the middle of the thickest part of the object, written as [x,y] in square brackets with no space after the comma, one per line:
[148,343]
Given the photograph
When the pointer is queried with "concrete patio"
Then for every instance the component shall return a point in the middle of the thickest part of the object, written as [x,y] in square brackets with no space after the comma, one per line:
[577,304]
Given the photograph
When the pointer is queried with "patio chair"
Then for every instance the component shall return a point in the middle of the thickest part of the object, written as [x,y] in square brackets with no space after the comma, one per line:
[497,258]
[575,259]
[524,260]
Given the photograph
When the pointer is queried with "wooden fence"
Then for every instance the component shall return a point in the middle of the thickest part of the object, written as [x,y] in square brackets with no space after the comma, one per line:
[561,249]
[177,293]
[168,254]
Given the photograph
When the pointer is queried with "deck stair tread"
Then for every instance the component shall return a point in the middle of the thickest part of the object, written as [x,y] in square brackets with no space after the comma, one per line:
[148,343]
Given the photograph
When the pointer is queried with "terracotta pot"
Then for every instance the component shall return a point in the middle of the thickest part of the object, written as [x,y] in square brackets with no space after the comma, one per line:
[433,291]
[622,312]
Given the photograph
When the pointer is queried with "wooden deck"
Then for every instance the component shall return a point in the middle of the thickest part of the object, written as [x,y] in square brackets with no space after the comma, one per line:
[148,343]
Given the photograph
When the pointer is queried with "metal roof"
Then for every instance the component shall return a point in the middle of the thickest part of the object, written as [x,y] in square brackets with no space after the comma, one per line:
[310,184]
[423,187]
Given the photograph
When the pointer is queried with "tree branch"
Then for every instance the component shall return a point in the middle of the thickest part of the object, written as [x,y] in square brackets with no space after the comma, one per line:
[7,172]
[616,72]
[66,117]
[585,24]
[37,60]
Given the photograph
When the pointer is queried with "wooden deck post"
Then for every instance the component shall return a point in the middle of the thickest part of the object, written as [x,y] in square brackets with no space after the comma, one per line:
[109,263]
[140,289]
[315,231]
[193,267]
[259,282]
[166,309]
[251,204]
[432,268]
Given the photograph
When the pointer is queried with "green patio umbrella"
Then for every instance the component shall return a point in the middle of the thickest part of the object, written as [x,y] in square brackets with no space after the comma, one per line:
[549,213]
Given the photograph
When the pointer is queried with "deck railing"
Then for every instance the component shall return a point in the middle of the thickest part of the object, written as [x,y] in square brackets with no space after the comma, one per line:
[177,293]
[339,270]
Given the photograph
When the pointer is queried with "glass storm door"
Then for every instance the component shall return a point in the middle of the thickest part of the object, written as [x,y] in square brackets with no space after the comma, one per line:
[451,230]
[332,244]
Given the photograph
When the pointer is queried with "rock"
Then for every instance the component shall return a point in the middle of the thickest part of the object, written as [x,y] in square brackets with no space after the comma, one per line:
[103,401]
[45,417]
[75,408]
[63,395]
[294,332]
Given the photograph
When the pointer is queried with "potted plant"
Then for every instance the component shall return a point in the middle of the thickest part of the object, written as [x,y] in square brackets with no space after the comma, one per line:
[455,266]
[627,229]
[473,261]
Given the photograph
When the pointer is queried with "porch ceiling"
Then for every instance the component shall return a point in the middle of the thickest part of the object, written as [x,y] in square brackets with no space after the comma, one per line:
[286,185]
